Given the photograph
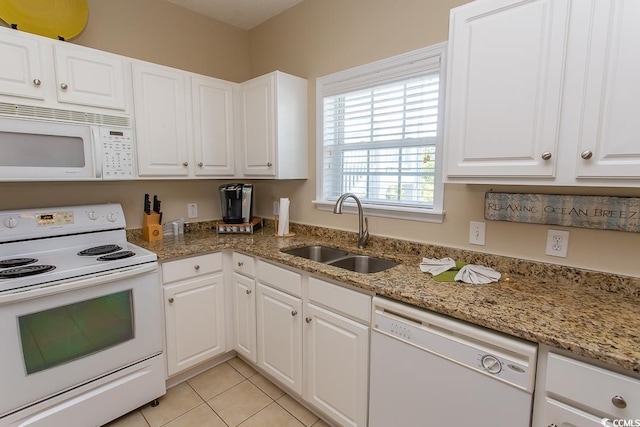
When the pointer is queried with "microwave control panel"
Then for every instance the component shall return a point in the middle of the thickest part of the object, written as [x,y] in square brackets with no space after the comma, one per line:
[117,153]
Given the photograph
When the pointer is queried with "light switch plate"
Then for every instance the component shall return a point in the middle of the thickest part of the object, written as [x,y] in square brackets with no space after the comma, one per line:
[477,233]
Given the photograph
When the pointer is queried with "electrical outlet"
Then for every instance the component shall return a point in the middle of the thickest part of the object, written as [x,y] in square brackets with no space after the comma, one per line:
[557,243]
[276,208]
[192,210]
[476,233]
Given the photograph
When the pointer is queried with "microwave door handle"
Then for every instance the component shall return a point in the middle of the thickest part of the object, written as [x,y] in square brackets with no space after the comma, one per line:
[97,157]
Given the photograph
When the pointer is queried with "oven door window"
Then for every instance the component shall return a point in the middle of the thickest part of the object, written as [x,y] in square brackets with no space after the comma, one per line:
[62,334]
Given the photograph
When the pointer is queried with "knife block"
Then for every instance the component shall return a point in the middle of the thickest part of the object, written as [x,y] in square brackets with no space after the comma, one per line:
[151,227]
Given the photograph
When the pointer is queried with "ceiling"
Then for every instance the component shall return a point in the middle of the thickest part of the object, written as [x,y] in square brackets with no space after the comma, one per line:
[244,14]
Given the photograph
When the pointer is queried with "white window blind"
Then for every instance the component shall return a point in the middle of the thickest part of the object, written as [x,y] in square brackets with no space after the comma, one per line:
[379,139]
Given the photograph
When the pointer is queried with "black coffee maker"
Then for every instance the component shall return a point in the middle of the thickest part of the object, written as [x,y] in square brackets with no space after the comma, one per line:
[236,203]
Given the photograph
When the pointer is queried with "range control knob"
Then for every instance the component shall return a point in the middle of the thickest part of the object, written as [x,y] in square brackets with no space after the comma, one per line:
[112,217]
[491,364]
[11,222]
[93,215]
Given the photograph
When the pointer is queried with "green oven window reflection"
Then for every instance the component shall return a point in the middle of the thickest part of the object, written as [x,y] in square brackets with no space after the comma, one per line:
[62,334]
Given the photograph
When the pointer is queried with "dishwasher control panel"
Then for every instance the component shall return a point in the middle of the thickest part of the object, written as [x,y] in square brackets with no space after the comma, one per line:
[508,359]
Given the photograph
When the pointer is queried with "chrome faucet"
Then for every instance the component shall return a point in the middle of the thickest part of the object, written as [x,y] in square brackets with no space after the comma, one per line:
[363,232]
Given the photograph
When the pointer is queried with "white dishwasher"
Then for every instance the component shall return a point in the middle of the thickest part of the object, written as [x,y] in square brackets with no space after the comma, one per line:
[430,370]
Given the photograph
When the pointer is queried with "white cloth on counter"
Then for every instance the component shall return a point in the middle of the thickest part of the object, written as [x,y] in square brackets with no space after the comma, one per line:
[477,274]
[436,266]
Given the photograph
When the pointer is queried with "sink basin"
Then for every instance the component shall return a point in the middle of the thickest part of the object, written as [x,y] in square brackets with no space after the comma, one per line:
[317,253]
[363,264]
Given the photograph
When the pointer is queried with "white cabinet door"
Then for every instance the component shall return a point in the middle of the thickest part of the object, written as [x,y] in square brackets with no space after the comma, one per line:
[560,415]
[88,77]
[244,316]
[279,324]
[505,71]
[213,136]
[21,70]
[337,365]
[609,145]
[161,120]
[258,126]
[194,319]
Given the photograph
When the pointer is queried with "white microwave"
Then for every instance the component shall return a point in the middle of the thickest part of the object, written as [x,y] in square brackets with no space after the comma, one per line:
[38,150]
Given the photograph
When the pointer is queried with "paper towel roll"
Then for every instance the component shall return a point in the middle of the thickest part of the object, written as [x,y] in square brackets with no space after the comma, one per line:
[283,223]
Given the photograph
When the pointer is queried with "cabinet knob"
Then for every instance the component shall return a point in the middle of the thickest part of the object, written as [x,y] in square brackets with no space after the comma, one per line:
[586,154]
[248,291]
[546,155]
[552,425]
[240,263]
[269,164]
[197,267]
[619,402]
[37,82]
[170,300]
[308,319]
[64,86]
[294,313]
[185,164]
[200,164]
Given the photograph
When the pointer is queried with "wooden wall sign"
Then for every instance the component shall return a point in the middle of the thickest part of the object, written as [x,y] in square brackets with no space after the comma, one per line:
[600,212]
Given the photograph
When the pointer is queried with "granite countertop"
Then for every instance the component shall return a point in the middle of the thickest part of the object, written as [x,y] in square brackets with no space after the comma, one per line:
[591,314]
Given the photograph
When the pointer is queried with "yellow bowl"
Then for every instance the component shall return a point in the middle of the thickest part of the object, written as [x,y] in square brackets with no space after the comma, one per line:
[51,18]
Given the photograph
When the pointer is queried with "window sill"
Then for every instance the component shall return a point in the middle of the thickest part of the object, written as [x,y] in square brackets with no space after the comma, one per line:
[410,214]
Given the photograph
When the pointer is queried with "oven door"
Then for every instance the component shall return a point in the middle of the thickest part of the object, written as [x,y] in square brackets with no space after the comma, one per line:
[58,337]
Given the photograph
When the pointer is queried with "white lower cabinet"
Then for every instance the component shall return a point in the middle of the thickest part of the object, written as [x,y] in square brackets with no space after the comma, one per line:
[279,320]
[243,286]
[573,393]
[194,311]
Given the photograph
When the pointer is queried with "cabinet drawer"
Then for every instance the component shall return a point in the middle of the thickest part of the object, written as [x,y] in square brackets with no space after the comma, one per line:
[350,303]
[280,278]
[593,387]
[191,267]
[562,415]
[244,264]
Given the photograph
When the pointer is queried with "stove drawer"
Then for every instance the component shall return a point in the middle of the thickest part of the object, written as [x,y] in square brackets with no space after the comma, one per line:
[187,268]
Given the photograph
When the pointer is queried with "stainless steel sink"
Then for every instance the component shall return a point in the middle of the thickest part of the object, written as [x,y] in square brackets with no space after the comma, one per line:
[341,259]
[317,253]
[363,264]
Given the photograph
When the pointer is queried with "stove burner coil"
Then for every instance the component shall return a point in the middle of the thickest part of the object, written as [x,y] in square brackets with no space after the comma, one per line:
[23,271]
[100,250]
[16,262]
[116,255]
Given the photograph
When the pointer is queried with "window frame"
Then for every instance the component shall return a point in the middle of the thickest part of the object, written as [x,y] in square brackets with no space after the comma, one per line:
[386,70]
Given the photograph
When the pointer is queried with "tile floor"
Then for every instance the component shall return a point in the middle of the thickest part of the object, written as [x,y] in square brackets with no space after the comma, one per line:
[230,394]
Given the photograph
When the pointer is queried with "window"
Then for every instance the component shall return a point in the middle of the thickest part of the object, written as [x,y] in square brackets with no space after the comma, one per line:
[380,136]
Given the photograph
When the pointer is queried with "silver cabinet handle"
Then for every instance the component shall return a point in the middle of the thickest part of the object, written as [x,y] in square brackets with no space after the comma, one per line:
[269,164]
[200,164]
[37,82]
[197,267]
[586,154]
[64,86]
[240,263]
[294,313]
[170,300]
[185,163]
[619,402]
[248,291]
[308,319]
[546,155]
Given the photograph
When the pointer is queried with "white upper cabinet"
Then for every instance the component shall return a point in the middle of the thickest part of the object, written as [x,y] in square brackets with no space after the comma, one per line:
[90,78]
[505,73]
[161,120]
[609,139]
[274,127]
[213,132]
[21,72]
[184,123]
[544,92]
[44,72]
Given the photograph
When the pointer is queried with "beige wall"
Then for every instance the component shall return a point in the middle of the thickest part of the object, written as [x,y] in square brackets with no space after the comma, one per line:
[318,37]
[314,38]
